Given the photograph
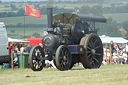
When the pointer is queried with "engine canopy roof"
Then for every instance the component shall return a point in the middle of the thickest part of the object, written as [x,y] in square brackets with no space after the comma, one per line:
[69,18]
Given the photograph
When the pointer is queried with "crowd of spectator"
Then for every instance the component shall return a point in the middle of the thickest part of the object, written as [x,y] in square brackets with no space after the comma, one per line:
[18,48]
[22,48]
[115,54]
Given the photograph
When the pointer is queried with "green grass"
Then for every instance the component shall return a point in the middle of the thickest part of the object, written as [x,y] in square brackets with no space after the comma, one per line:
[28,20]
[28,31]
[105,75]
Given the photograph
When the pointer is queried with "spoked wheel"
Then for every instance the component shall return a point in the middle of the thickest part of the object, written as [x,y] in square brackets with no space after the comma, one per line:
[63,58]
[36,58]
[93,55]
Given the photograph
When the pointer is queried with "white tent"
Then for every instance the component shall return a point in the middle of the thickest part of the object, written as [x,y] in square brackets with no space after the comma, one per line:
[107,39]
[17,40]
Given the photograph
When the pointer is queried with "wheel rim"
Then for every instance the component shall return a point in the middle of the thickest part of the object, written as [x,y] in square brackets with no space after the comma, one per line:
[35,57]
[63,58]
[93,51]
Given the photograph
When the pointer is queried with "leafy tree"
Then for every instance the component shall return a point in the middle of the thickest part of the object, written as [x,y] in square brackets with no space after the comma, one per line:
[21,12]
[13,7]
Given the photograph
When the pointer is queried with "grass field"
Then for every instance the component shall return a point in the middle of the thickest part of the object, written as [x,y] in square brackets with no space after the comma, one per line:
[105,75]
[28,31]
[28,20]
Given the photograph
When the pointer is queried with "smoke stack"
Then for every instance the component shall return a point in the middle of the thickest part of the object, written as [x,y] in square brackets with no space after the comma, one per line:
[49,17]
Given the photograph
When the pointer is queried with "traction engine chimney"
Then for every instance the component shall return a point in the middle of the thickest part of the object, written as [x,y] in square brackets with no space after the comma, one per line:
[49,17]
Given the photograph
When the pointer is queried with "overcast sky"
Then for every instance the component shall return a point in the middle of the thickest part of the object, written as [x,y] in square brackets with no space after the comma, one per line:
[21,0]
[33,0]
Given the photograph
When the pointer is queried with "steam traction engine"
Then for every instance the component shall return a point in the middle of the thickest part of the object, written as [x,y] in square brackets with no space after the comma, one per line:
[71,38]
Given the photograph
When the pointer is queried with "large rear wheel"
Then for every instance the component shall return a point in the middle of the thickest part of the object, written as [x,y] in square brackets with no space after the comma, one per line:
[93,55]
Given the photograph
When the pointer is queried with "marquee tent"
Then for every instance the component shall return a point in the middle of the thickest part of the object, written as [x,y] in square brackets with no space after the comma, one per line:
[17,40]
[107,39]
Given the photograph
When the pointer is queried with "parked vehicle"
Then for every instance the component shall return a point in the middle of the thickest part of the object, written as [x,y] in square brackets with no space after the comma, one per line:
[4,49]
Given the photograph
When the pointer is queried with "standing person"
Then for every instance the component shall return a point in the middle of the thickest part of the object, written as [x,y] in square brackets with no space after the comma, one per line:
[112,50]
[29,48]
[15,50]
[127,51]
[22,49]
[10,48]
[112,47]
[15,53]
[25,49]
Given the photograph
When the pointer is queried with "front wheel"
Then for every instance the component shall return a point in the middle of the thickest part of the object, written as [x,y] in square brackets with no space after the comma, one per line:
[36,58]
[63,58]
